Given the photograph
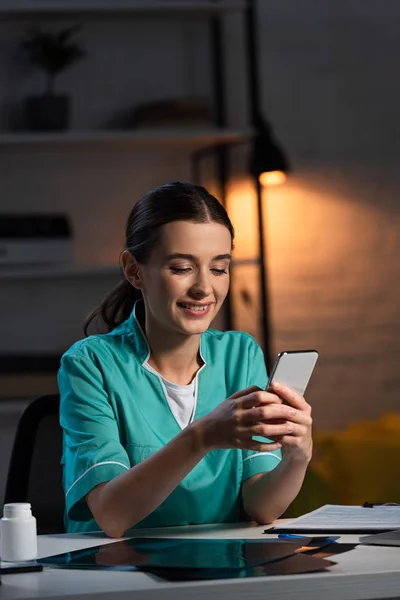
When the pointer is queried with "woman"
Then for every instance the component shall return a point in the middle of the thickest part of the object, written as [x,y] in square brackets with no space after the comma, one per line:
[164,419]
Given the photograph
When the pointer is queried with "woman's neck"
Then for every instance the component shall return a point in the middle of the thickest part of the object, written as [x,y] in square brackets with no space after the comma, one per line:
[176,357]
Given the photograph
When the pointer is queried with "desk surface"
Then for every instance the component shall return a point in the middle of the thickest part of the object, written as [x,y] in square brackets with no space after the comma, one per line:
[363,573]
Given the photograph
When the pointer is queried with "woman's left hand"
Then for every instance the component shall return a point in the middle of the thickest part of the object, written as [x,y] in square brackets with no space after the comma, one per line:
[297,442]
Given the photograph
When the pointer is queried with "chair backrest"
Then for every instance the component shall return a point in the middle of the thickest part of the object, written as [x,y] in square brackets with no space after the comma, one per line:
[35,473]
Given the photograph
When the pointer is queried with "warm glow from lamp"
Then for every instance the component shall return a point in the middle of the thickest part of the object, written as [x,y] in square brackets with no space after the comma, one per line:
[242,210]
[269,178]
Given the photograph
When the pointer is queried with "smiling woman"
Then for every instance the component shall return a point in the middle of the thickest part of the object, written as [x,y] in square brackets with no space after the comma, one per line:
[182,291]
[166,421]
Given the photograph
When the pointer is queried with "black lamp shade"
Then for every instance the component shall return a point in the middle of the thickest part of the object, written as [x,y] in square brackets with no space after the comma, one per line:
[267,155]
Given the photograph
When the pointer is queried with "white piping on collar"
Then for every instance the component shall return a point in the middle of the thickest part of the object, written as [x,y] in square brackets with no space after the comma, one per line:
[149,351]
[144,337]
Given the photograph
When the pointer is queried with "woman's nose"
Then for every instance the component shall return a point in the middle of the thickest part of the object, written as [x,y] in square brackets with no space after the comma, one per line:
[202,286]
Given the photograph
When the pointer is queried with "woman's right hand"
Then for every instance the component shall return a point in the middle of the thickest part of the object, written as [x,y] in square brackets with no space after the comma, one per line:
[247,413]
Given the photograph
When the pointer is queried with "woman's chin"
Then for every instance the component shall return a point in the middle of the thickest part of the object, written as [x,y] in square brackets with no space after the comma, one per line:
[193,327]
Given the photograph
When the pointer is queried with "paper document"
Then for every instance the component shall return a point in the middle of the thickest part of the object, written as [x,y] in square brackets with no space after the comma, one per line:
[333,517]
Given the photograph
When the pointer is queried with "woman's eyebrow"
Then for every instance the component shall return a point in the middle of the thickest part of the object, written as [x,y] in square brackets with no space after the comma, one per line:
[223,257]
[180,255]
[191,257]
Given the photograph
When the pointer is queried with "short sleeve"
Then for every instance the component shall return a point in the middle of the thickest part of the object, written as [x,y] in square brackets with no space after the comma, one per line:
[92,450]
[258,462]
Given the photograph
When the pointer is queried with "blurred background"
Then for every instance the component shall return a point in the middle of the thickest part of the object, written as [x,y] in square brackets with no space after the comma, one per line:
[101,101]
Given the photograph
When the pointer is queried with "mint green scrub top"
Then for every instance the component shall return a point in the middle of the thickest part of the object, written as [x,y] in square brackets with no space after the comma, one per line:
[114,414]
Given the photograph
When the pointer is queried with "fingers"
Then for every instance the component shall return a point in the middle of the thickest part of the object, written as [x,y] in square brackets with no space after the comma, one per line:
[246,391]
[256,412]
[279,432]
[263,413]
[274,412]
[273,431]
[290,396]
[254,396]
[257,397]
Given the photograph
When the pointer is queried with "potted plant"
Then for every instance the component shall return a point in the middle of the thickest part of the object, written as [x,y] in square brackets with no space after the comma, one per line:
[52,52]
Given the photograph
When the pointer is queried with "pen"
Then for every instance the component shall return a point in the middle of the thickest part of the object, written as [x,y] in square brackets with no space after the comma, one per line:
[291,536]
[313,541]
[372,504]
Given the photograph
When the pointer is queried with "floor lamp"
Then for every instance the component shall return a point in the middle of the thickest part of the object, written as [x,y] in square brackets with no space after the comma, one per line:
[268,165]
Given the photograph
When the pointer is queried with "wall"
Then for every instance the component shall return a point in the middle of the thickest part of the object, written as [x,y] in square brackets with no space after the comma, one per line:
[331,91]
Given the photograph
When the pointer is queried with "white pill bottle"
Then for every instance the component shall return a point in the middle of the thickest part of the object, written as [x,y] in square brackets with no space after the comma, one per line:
[18,537]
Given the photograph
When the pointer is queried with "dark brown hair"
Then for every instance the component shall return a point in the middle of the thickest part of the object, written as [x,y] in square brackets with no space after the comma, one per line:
[178,201]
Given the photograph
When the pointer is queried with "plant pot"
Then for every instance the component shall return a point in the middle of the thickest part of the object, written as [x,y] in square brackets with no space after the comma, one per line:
[48,112]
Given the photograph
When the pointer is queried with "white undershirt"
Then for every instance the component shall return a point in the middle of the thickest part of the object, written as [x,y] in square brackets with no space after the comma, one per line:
[181,398]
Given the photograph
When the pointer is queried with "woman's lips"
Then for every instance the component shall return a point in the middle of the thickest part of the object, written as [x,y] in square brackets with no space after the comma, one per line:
[195,310]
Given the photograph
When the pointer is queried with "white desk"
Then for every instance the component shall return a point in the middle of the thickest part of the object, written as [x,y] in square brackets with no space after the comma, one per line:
[363,573]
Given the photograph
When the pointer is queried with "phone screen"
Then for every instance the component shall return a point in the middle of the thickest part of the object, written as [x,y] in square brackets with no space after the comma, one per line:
[293,368]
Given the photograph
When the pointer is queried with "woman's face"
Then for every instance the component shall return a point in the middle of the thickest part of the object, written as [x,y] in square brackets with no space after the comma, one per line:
[186,279]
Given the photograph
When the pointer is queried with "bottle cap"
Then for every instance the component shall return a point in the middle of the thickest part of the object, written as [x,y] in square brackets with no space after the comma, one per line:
[17,509]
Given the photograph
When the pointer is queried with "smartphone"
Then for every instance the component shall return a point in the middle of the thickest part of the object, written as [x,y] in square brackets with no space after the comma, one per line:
[293,368]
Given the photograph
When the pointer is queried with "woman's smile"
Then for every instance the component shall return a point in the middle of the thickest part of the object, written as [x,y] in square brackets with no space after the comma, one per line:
[196,310]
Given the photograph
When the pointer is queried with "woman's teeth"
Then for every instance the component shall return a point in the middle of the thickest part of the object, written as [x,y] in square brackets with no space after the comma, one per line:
[194,307]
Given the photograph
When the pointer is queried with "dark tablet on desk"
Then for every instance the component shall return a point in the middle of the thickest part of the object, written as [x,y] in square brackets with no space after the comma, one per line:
[175,553]
[194,559]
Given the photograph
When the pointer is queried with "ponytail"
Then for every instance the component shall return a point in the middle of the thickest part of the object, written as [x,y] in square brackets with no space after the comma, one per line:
[115,308]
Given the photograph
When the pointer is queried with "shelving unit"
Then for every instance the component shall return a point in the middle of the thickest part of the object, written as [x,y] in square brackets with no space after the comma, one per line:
[57,271]
[218,135]
[68,8]
[139,137]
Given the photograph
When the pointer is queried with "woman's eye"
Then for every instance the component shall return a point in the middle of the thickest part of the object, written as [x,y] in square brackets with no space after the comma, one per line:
[219,271]
[180,269]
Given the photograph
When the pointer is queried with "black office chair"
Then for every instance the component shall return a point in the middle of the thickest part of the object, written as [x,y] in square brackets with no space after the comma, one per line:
[35,473]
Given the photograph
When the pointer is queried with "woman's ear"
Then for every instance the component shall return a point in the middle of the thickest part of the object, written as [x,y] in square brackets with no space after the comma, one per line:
[131,269]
